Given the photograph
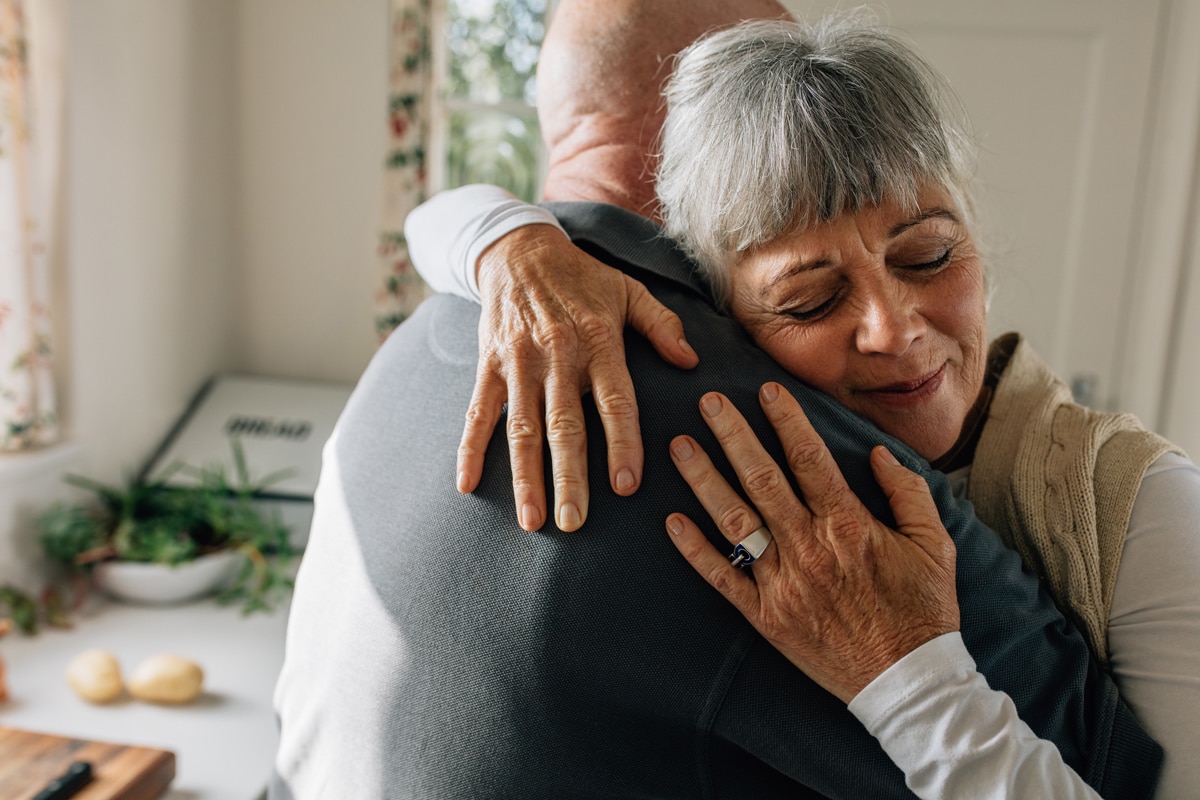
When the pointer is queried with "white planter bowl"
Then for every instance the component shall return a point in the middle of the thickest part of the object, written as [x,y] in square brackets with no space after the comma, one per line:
[161,584]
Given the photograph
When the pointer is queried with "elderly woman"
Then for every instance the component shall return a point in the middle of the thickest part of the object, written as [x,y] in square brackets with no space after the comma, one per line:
[819,183]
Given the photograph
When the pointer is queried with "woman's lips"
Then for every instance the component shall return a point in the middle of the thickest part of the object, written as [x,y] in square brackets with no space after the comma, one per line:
[910,392]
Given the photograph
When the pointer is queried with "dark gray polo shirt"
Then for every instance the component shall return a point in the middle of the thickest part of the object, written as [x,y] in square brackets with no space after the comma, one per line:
[436,650]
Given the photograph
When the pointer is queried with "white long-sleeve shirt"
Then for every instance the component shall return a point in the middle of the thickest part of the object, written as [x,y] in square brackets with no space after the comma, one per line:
[448,233]
[932,711]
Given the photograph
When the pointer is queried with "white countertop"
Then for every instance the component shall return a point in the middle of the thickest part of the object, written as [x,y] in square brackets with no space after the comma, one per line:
[224,742]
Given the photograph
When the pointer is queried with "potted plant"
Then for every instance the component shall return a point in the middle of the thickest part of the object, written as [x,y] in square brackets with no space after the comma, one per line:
[150,542]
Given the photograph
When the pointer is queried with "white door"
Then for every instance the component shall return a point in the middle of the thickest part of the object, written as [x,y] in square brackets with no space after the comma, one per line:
[1058,93]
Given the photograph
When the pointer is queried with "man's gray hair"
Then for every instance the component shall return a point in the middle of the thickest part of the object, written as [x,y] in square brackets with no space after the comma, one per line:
[774,125]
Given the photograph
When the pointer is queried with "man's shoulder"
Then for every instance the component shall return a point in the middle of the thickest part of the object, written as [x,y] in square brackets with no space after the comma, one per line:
[629,242]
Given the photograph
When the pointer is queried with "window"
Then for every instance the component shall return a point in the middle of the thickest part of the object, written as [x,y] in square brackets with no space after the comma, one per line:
[484,127]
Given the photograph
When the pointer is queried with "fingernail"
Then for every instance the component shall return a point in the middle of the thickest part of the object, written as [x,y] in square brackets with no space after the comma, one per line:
[462,481]
[625,480]
[674,525]
[769,392]
[685,347]
[710,404]
[568,517]
[682,449]
[529,517]
[887,456]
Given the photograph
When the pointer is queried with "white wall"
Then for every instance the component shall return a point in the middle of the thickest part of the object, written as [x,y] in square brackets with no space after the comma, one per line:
[312,106]
[224,183]
[1182,404]
[223,190]
[1173,233]
[151,208]
[224,162]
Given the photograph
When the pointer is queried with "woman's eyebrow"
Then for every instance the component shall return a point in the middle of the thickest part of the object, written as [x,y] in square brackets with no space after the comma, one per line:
[795,269]
[933,213]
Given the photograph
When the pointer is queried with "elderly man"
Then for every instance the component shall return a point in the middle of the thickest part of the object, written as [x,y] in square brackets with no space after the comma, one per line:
[438,649]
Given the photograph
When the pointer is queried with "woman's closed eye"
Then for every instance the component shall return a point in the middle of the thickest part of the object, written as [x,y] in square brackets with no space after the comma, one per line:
[813,310]
[929,266]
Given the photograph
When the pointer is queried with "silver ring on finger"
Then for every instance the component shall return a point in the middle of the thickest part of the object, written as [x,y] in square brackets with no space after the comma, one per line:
[747,551]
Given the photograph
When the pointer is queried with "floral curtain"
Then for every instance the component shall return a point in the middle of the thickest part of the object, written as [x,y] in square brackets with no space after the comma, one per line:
[404,176]
[31,103]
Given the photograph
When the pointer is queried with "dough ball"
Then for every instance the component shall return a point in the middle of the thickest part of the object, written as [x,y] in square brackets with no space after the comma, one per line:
[95,676]
[167,679]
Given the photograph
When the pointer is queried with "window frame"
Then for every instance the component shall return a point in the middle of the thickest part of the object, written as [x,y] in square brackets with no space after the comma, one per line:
[443,106]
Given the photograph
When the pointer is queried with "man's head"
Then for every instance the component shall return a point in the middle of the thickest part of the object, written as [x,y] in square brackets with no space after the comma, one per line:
[600,78]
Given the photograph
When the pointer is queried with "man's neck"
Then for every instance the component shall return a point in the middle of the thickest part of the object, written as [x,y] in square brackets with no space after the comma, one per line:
[600,158]
[595,186]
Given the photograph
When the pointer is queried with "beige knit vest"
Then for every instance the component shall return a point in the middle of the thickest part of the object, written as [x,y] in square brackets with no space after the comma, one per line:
[1057,481]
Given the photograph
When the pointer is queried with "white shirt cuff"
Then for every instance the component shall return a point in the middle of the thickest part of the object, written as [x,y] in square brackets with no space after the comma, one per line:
[447,234]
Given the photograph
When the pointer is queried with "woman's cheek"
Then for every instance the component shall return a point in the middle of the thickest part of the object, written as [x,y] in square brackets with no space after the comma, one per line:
[811,352]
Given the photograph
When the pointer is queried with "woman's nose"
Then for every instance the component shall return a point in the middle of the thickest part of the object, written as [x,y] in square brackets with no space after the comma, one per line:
[890,322]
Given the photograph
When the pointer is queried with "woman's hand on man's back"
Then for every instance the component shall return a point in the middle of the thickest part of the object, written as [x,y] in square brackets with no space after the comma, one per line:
[840,594]
[551,329]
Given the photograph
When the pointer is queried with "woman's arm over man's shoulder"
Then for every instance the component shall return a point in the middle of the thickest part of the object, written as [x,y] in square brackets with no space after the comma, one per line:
[447,233]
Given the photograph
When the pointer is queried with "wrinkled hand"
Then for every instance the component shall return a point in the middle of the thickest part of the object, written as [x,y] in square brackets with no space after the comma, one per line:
[552,328]
[841,595]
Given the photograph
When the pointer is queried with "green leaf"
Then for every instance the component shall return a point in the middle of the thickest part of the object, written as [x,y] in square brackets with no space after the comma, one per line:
[67,531]
[20,607]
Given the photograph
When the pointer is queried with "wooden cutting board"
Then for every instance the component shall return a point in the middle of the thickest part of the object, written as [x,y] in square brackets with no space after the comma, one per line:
[28,761]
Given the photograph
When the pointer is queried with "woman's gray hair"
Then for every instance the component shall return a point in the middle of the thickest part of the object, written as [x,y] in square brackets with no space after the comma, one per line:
[774,125]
